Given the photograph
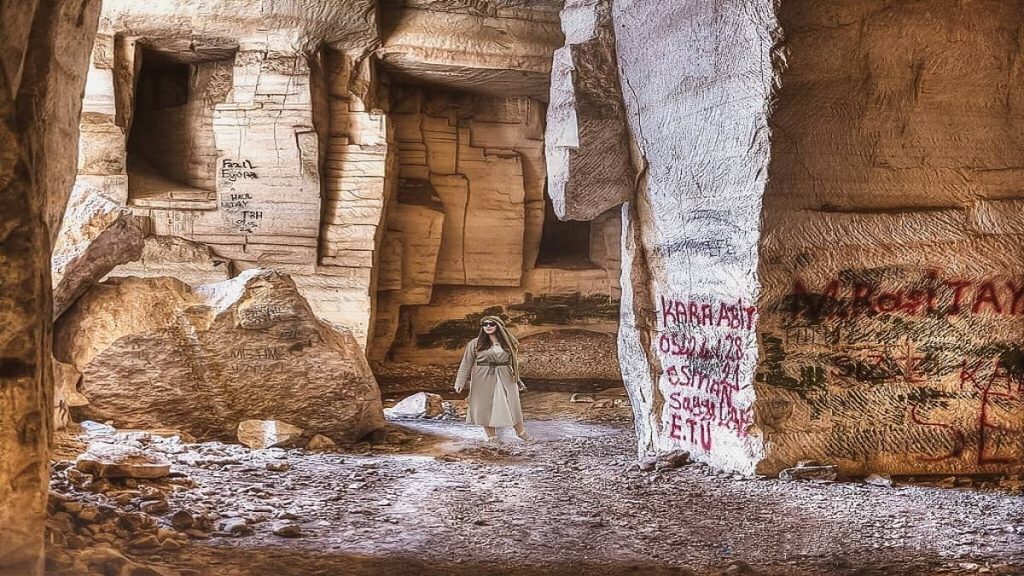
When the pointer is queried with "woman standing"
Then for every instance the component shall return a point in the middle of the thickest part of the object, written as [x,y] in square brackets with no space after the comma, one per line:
[490,366]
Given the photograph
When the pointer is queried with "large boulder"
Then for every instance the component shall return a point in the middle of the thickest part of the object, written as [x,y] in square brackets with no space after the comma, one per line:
[157,353]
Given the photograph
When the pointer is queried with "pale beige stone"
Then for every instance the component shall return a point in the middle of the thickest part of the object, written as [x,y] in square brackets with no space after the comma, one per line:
[96,235]
[104,460]
[321,443]
[156,353]
[258,434]
[191,262]
[419,405]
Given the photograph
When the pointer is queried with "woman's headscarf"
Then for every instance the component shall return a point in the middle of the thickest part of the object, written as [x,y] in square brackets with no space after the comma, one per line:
[506,338]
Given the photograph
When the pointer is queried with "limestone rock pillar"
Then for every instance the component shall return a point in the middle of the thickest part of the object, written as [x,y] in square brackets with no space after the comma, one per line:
[697,79]
[44,46]
[587,143]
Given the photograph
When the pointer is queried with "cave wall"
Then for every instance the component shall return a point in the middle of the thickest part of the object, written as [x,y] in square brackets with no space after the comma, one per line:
[821,258]
[44,46]
[495,47]
[403,190]
[299,147]
[891,253]
[466,229]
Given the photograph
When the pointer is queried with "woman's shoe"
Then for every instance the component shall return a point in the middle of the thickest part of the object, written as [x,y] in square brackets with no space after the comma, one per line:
[492,440]
[526,437]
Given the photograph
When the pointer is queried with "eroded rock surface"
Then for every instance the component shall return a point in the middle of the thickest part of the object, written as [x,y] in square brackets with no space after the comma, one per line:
[191,262]
[97,234]
[157,353]
[587,145]
[44,46]
[104,460]
[383,511]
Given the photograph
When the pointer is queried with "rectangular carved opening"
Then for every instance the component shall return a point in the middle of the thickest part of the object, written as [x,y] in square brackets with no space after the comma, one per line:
[172,154]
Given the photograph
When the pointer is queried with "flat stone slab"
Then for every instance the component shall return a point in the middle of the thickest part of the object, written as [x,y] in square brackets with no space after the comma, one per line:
[118,461]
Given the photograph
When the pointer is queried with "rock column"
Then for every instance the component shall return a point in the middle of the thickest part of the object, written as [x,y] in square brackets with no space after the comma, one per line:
[43,50]
[696,79]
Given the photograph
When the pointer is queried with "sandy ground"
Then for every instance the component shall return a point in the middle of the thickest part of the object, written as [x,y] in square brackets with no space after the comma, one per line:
[434,499]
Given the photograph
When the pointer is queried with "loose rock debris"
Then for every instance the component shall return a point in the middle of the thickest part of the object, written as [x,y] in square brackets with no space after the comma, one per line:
[432,498]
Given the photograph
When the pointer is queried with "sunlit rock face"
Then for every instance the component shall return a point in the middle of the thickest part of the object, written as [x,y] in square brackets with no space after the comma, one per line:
[156,353]
[388,156]
[44,45]
[97,234]
[588,141]
[891,261]
[688,338]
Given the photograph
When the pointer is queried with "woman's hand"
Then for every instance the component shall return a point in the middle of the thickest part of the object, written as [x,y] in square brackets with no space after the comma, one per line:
[522,386]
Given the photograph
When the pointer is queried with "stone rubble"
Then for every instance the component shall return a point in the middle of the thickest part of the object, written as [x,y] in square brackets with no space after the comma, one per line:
[224,491]
[104,460]
[809,470]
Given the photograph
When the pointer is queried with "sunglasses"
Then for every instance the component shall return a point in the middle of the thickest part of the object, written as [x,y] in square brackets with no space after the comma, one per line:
[488,324]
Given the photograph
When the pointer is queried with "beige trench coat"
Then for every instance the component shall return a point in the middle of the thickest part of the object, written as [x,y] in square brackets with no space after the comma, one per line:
[493,393]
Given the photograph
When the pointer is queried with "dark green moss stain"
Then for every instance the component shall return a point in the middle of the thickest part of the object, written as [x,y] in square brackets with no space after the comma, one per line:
[1011,358]
[810,387]
[773,373]
[16,368]
[926,398]
[812,378]
[564,309]
[455,334]
[560,310]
